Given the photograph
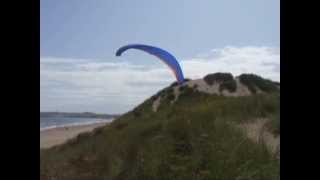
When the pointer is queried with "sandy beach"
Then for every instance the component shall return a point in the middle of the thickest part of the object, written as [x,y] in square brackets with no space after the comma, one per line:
[51,137]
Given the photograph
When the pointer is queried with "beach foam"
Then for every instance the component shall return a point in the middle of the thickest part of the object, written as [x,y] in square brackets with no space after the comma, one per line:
[76,124]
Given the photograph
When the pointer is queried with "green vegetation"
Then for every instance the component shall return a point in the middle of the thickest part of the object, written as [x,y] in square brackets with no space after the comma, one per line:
[276,83]
[174,84]
[253,82]
[187,79]
[217,77]
[194,138]
[226,81]
[229,85]
[186,91]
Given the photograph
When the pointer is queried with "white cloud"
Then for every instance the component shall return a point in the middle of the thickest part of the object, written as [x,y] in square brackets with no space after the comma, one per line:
[264,61]
[102,86]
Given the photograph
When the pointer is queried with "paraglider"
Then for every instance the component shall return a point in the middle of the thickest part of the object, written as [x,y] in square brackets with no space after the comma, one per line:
[163,55]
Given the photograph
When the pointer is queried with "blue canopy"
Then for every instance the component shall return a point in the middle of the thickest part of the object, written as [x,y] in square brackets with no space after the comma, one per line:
[163,55]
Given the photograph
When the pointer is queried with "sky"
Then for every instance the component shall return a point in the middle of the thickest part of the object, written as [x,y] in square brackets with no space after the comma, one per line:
[78,40]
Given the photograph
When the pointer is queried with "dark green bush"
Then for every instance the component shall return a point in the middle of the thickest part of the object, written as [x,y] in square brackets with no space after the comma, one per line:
[169,91]
[186,91]
[226,81]
[253,81]
[218,77]
[136,113]
[187,79]
[195,86]
[98,130]
[230,85]
[276,83]
[182,88]
[121,126]
[174,84]
[170,97]
[153,98]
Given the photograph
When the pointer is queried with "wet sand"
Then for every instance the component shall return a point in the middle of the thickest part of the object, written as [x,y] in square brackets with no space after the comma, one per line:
[51,137]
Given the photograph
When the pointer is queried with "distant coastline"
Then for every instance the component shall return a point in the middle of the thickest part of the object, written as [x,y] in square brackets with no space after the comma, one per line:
[77,115]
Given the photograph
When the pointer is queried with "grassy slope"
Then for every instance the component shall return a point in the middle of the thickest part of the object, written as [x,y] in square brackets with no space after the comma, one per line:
[195,138]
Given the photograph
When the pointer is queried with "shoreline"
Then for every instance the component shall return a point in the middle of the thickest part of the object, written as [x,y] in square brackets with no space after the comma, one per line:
[77,124]
[59,135]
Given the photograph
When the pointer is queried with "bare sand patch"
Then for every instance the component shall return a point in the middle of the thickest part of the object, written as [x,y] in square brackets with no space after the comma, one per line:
[257,132]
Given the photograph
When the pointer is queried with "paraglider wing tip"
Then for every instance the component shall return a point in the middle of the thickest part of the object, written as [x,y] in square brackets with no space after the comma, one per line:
[118,53]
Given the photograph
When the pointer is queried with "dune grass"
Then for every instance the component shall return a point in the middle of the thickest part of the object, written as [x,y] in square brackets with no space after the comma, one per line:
[191,139]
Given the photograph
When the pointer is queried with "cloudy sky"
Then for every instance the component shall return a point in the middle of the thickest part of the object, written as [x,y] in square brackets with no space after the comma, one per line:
[78,69]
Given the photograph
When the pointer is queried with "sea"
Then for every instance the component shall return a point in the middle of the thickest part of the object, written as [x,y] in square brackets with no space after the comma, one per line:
[55,122]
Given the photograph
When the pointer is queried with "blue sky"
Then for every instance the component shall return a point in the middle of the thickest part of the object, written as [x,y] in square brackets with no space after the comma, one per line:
[79,39]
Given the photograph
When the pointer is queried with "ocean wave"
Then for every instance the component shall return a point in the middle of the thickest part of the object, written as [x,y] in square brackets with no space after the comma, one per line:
[75,124]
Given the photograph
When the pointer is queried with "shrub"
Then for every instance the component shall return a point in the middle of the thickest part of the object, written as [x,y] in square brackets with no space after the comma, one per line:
[170,97]
[154,97]
[229,85]
[169,91]
[120,126]
[136,113]
[182,88]
[98,130]
[276,83]
[226,81]
[195,86]
[174,84]
[187,79]
[252,81]
[218,77]
[186,90]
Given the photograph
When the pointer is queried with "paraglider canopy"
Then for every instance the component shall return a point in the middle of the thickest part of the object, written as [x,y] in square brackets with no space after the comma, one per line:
[163,55]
